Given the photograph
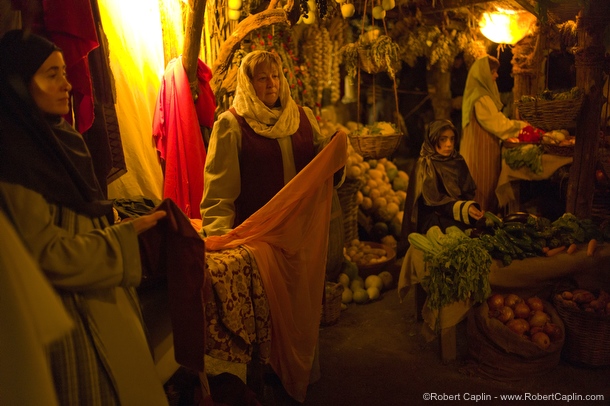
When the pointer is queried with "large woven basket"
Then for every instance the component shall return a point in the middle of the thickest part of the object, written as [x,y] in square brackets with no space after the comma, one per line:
[349,206]
[331,309]
[375,146]
[550,114]
[375,269]
[587,341]
[558,149]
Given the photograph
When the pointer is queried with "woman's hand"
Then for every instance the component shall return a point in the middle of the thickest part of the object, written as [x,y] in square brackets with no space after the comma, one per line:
[147,221]
[474,212]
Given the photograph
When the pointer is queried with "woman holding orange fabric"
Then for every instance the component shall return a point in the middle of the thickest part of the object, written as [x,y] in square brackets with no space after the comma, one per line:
[484,126]
[257,146]
[269,181]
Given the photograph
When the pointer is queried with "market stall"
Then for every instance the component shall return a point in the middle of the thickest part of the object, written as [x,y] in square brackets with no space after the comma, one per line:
[507,190]
[531,276]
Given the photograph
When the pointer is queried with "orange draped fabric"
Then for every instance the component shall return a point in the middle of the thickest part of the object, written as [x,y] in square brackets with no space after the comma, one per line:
[288,238]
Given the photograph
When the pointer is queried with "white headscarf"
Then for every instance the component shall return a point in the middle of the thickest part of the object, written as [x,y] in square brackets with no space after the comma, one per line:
[269,122]
[479,83]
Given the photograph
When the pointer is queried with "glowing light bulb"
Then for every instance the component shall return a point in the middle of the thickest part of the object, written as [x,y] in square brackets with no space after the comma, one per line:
[506,26]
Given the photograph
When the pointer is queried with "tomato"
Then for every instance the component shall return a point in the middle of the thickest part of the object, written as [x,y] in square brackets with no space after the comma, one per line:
[600,176]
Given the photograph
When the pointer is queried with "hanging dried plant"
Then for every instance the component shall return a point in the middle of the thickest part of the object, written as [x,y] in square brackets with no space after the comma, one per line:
[373,56]
[386,53]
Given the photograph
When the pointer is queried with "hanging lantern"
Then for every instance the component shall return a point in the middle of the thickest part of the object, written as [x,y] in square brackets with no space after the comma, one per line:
[506,26]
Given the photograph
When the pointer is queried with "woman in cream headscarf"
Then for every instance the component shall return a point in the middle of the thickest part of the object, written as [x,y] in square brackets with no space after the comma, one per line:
[484,127]
[257,146]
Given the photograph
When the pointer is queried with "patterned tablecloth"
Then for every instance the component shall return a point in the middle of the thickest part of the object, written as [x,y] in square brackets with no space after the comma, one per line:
[236,308]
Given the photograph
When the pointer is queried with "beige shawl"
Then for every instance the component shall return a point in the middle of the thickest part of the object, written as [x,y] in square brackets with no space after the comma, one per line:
[268,122]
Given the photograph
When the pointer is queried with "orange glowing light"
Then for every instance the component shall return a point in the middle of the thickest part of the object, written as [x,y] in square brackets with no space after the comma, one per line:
[506,26]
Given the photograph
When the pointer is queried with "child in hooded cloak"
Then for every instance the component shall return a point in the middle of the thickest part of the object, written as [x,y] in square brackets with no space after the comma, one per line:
[441,189]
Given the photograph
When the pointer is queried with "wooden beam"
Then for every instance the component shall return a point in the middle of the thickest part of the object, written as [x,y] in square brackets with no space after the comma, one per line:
[527,7]
[450,5]
[169,33]
[589,62]
[192,42]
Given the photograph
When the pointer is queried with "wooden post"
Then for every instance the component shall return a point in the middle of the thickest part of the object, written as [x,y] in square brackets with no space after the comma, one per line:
[170,34]
[440,92]
[528,57]
[192,42]
[590,62]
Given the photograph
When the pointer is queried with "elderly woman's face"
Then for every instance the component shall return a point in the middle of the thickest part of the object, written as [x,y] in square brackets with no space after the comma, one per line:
[266,83]
[49,86]
[446,142]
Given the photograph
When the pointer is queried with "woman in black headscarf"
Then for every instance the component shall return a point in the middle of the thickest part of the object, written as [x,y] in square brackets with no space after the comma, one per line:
[441,189]
[49,192]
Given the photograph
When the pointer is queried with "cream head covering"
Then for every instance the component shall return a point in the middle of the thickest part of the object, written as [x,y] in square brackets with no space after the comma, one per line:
[269,122]
[479,83]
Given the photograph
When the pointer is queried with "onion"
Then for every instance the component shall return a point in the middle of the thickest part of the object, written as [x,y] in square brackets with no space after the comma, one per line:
[553,331]
[535,303]
[538,319]
[541,340]
[522,310]
[511,300]
[518,326]
[495,301]
[506,314]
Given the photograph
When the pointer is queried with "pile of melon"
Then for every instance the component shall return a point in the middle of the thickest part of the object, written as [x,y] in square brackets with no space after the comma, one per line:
[359,290]
[382,195]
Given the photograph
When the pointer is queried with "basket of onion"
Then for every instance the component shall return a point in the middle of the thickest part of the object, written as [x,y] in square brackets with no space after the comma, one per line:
[513,337]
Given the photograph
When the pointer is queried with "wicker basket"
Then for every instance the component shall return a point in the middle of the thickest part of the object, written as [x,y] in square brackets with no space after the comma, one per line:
[349,206]
[331,309]
[550,114]
[508,144]
[587,340]
[558,150]
[375,269]
[375,146]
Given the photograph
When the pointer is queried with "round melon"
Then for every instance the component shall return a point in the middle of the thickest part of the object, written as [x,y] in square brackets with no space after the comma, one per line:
[351,269]
[387,279]
[347,296]
[373,281]
[343,279]
[360,296]
[373,293]
[356,284]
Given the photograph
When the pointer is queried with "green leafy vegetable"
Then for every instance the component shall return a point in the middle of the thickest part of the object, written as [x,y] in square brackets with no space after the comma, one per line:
[458,267]
[529,155]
